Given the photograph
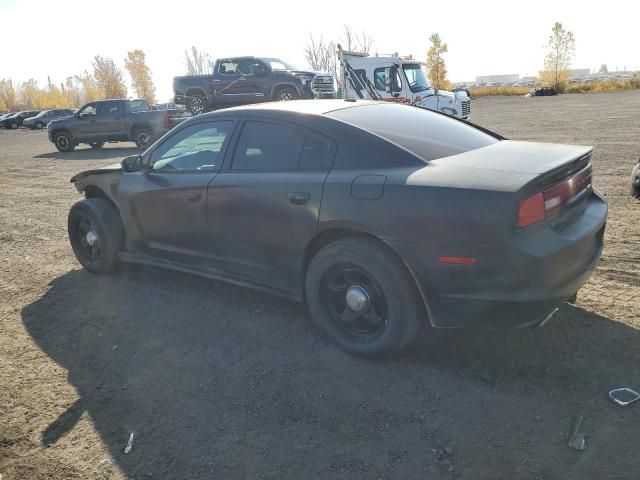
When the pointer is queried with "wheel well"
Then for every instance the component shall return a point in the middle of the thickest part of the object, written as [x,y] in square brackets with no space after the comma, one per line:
[329,236]
[195,92]
[61,130]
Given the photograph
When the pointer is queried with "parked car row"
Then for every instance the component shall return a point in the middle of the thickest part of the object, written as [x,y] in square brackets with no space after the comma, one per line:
[33,119]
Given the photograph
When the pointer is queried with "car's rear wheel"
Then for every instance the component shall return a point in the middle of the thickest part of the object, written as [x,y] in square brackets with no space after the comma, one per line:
[362,297]
[285,94]
[197,105]
[96,144]
[38,125]
[63,142]
[95,233]
[635,187]
[142,138]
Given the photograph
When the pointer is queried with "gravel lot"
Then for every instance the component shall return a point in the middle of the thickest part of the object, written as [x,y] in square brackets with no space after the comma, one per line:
[222,382]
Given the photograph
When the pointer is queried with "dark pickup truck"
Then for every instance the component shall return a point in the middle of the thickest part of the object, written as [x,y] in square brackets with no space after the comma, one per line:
[246,80]
[103,121]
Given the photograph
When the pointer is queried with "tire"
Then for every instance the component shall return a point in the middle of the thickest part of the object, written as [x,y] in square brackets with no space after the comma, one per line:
[143,138]
[98,251]
[635,187]
[63,142]
[285,94]
[197,105]
[38,125]
[390,315]
[14,125]
[96,144]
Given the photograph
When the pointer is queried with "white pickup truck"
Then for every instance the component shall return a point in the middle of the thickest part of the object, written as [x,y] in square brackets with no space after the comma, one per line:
[396,79]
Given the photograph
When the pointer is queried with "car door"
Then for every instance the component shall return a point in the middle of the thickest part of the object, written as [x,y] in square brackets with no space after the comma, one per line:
[231,85]
[263,209]
[86,128]
[110,122]
[167,202]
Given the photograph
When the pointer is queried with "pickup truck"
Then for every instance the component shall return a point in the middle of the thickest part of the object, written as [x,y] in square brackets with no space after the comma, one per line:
[120,120]
[246,80]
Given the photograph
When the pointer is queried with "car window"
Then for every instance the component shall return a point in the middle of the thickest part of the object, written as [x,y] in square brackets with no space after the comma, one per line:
[268,146]
[316,153]
[427,134]
[110,108]
[229,68]
[89,110]
[194,148]
[139,106]
[379,79]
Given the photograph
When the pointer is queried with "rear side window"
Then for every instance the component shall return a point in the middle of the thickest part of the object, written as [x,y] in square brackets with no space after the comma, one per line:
[427,134]
[139,106]
[109,108]
[270,146]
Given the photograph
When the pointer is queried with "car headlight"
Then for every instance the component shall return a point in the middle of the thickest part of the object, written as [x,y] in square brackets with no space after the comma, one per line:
[305,79]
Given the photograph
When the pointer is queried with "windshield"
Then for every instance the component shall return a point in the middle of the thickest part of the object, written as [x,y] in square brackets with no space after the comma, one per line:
[277,64]
[416,77]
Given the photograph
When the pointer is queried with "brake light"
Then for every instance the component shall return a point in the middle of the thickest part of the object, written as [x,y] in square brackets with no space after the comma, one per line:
[531,210]
[165,122]
[550,201]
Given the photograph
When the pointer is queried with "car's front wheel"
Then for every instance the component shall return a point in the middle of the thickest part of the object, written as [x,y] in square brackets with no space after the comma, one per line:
[285,94]
[95,233]
[63,142]
[635,187]
[14,125]
[96,144]
[38,125]
[197,105]
[142,138]
[362,297]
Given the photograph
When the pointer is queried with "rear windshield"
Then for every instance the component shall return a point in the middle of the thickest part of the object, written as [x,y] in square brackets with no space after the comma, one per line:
[427,134]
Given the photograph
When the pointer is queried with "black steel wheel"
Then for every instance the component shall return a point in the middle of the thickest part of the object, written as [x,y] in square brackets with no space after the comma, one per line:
[361,296]
[95,232]
[197,105]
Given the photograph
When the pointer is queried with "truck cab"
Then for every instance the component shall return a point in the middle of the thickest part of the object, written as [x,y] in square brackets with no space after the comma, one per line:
[396,79]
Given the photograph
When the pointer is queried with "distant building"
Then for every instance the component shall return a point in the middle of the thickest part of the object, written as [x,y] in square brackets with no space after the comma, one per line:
[512,77]
[579,72]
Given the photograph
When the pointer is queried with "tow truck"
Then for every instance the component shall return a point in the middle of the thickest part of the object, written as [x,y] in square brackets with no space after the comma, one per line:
[395,79]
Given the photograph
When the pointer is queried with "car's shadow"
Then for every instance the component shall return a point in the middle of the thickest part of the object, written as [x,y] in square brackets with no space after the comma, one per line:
[217,381]
[90,153]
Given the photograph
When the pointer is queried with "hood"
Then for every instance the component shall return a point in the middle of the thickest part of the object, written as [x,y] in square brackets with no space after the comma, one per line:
[116,167]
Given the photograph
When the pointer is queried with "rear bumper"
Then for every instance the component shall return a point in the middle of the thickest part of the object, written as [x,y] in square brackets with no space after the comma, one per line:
[531,278]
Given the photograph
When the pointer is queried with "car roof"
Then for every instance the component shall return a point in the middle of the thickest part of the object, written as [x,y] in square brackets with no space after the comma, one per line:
[313,107]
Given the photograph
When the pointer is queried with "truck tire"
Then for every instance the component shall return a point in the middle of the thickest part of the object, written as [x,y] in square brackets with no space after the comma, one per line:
[95,232]
[96,144]
[143,138]
[284,94]
[361,296]
[197,105]
[63,142]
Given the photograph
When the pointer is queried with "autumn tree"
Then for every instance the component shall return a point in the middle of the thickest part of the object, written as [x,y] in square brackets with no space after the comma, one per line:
[353,41]
[140,74]
[197,62]
[8,94]
[436,68]
[109,77]
[560,51]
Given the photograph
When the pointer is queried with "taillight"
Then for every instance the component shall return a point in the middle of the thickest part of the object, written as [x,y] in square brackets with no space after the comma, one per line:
[550,201]
[531,210]
[166,120]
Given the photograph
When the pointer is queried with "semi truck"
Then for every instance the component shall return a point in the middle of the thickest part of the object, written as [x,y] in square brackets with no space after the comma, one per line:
[395,79]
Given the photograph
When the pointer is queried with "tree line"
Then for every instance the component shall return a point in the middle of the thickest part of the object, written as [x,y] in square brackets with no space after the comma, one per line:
[106,80]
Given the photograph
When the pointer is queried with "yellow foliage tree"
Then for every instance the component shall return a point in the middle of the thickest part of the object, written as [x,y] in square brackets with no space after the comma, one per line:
[140,74]
[109,77]
[560,51]
[8,94]
[436,68]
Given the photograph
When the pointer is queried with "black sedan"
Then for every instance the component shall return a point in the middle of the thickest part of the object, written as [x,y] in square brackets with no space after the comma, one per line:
[381,217]
[15,120]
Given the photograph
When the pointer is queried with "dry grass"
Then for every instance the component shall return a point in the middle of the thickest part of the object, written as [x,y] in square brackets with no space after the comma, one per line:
[608,86]
[490,91]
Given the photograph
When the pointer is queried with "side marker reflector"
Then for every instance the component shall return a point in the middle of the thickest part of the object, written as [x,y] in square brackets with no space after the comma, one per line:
[457,260]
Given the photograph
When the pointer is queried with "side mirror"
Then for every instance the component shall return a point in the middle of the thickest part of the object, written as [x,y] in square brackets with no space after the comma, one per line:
[395,84]
[131,164]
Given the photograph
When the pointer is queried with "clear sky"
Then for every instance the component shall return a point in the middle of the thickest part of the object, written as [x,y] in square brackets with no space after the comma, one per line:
[58,38]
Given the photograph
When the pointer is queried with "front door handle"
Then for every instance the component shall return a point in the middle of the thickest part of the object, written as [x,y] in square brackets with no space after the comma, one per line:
[299,198]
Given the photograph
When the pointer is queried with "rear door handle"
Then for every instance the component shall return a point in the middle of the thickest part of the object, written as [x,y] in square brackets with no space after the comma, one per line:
[216,80]
[299,198]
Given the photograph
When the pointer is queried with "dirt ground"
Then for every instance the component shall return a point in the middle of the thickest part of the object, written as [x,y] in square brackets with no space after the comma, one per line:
[221,382]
